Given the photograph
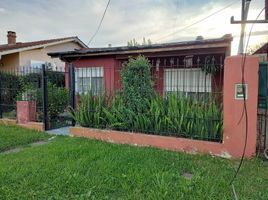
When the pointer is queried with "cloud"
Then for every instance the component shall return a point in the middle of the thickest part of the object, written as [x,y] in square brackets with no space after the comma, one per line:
[125,20]
[2,10]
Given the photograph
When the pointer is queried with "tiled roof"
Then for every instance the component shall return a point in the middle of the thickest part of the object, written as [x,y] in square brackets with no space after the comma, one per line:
[19,45]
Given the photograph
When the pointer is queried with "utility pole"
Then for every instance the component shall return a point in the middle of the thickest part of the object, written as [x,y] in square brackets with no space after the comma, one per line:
[244,16]
[244,21]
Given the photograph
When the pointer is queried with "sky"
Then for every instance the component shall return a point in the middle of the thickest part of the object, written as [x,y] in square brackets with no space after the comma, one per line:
[159,20]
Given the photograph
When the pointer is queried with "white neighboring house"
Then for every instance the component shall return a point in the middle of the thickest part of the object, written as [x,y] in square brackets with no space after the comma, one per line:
[16,55]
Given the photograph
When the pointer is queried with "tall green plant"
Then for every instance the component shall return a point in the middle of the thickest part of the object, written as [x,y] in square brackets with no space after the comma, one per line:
[90,112]
[137,108]
[137,84]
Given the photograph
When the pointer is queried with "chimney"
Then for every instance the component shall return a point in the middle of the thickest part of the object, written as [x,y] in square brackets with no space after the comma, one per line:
[11,37]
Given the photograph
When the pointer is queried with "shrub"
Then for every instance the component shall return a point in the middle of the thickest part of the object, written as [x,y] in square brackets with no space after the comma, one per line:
[35,79]
[137,108]
[137,84]
[10,86]
[57,100]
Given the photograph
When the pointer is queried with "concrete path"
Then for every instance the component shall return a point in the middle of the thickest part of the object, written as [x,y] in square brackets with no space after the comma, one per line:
[59,131]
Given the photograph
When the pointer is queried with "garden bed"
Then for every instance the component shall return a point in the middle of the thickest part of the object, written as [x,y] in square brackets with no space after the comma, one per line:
[163,142]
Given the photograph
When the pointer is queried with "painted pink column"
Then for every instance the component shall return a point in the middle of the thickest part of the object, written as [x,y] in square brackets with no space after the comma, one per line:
[26,111]
[235,132]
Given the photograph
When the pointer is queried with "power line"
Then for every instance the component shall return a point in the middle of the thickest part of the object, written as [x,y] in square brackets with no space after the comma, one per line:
[103,15]
[245,105]
[197,22]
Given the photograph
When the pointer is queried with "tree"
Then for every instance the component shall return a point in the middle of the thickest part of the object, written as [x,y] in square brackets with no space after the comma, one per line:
[255,47]
[134,43]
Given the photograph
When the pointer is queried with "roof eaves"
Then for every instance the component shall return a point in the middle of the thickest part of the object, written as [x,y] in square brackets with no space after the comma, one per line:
[5,52]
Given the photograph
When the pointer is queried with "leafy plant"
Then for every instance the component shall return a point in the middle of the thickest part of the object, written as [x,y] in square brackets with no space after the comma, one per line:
[57,100]
[90,112]
[10,86]
[137,84]
[137,108]
[35,78]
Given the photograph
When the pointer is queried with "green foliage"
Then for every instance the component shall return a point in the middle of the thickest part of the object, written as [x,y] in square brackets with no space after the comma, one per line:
[10,86]
[137,108]
[35,79]
[137,84]
[78,168]
[90,112]
[12,136]
[171,116]
[210,66]
[57,100]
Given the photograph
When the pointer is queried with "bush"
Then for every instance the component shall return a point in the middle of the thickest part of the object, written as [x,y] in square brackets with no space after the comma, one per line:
[57,100]
[35,79]
[137,108]
[10,86]
[137,84]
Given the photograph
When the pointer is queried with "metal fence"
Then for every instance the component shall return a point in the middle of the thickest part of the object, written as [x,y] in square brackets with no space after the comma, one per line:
[19,84]
[44,85]
[262,127]
[186,102]
[195,82]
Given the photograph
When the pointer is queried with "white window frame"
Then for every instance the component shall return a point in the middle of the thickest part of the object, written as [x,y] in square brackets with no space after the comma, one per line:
[182,80]
[37,63]
[89,73]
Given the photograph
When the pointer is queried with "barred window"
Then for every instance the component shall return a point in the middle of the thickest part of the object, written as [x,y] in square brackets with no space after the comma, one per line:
[89,79]
[187,82]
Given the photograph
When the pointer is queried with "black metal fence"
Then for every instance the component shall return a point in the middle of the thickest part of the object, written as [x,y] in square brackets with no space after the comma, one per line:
[187,100]
[19,84]
[45,85]
[56,97]
[262,127]
[186,97]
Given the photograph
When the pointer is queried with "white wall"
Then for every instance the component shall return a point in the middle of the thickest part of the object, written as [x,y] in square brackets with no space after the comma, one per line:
[41,54]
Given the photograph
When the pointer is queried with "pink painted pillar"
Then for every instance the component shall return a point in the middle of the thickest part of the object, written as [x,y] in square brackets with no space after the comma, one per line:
[235,132]
[26,111]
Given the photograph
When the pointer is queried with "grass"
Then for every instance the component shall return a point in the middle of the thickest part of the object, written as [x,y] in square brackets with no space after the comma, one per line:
[76,168]
[13,136]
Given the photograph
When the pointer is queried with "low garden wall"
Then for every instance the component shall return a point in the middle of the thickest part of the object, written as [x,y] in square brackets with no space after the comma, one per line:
[163,142]
[38,126]
[235,130]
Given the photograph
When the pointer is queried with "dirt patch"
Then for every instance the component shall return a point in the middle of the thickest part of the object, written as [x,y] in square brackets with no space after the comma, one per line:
[16,150]
[187,176]
[34,144]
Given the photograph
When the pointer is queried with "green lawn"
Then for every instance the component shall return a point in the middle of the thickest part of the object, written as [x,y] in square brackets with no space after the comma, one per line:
[12,136]
[76,168]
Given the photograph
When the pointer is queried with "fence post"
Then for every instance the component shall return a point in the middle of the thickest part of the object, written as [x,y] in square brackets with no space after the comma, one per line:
[235,123]
[72,88]
[45,97]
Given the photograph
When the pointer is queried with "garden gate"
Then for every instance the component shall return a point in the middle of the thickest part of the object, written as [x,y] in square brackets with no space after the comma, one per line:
[58,96]
[262,139]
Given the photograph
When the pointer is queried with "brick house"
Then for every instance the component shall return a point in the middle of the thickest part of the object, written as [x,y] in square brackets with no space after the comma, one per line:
[176,67]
